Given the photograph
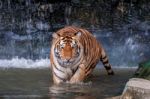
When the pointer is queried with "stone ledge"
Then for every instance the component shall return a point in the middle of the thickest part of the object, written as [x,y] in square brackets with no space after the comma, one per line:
[136,88]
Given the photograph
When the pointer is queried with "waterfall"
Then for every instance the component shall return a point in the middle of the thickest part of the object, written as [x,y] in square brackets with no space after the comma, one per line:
[26,27]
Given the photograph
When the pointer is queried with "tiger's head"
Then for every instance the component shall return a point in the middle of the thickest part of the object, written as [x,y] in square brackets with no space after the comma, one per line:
[67,48]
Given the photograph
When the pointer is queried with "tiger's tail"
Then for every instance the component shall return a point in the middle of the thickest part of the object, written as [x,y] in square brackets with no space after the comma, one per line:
[106,63]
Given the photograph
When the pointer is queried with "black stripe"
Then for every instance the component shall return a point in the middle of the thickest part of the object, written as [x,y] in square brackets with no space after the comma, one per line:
[105,62]
[111,73]
[90,67]
[107,67]
[63,66]
[58,76]
[104,57]
[58,69]
[74,70]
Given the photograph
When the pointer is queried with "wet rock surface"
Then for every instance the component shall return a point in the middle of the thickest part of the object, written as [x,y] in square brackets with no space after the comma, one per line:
[137,88]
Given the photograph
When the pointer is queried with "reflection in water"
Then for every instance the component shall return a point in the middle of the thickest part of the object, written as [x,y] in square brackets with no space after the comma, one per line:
[66,90]
[38,84]
[98,86]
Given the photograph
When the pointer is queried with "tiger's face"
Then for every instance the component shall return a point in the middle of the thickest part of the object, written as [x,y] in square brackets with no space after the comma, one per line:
[67,49]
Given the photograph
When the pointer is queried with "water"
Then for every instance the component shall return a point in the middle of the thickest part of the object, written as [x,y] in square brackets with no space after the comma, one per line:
[37,84]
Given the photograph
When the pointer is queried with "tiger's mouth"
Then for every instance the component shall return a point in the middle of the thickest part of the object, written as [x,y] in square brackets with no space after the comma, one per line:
[65,62]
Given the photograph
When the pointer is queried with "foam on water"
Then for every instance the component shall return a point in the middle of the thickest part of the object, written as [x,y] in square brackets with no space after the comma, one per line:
[24,63]
[38,63]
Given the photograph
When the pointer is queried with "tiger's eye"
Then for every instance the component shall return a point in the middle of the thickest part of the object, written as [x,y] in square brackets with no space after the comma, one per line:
[62,45]
[73,44]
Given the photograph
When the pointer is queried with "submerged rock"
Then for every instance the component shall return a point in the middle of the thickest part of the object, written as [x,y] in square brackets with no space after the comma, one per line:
[136,88]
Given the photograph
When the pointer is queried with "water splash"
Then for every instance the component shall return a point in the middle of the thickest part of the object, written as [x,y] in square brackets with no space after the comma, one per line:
[24,63]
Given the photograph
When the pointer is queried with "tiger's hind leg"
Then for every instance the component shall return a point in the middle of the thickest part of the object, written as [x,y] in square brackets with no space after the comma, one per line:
[106,63]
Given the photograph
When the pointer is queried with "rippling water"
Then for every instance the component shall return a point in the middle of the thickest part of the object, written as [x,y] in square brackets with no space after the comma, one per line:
[37,84]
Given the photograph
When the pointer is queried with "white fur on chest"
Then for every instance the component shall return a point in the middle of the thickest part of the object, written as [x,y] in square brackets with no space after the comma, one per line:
[66,72]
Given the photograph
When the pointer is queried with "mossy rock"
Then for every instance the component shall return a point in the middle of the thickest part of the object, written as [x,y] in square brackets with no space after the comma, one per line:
[143,71]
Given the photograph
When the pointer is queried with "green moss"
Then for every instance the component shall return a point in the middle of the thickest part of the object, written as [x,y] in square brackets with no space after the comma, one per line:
[143,71]
[146,64]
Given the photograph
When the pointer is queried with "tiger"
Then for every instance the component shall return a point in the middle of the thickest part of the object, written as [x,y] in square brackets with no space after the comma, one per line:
[74,54]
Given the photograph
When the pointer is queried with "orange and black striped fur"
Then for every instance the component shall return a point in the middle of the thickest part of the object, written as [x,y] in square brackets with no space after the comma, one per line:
[74,54]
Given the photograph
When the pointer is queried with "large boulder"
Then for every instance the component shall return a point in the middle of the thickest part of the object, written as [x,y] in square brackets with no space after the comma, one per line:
[136,88]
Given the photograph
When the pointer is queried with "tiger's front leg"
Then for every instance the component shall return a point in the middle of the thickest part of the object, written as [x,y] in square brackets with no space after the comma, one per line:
[79,74]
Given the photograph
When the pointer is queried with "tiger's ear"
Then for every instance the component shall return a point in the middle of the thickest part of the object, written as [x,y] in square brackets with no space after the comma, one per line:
[55,35]
[78,34]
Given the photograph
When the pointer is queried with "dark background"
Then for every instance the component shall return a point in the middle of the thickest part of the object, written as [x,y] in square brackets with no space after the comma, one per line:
[123,27]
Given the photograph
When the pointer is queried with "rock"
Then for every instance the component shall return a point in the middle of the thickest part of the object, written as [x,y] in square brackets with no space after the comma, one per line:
[136,88]
[143,71]
[116,97]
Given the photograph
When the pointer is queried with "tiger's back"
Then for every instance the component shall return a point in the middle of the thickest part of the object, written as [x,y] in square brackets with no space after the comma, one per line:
[92,50]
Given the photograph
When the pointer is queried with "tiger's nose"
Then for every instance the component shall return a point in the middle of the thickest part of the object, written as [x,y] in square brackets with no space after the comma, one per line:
[67,59]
